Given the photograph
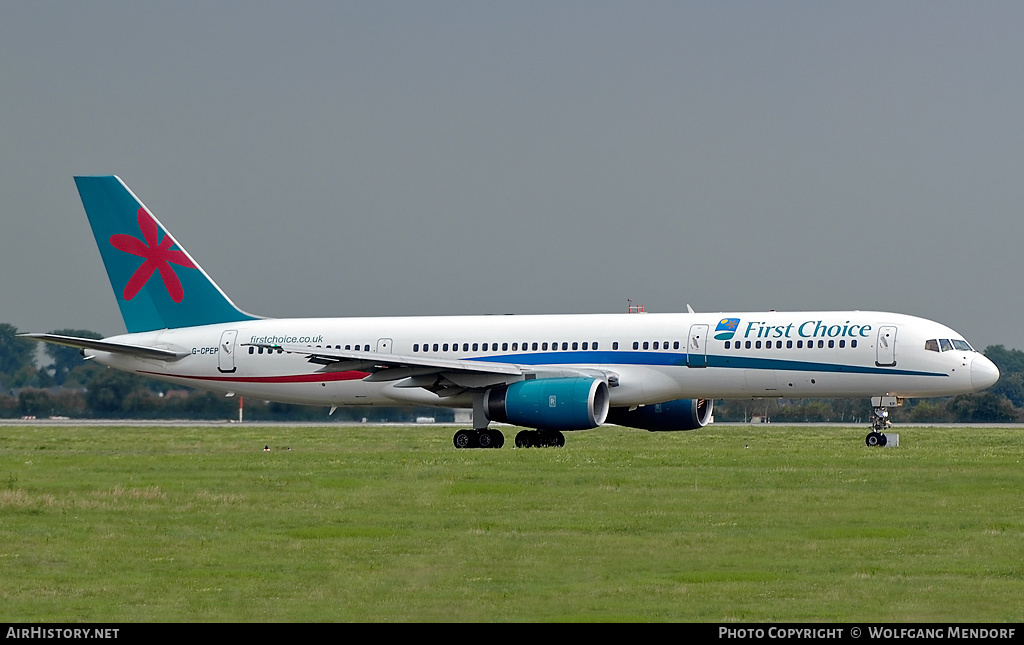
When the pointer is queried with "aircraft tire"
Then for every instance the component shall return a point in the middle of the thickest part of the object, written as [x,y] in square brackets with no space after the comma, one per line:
[485,439]
[525,439]
[465,439]
[872,439]
[555,439]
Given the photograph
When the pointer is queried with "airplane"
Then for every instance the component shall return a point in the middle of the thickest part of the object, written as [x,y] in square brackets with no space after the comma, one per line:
[547,374]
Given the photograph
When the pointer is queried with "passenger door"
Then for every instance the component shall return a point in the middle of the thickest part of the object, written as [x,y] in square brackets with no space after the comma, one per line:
[697,346]
[226,351]
[885,348]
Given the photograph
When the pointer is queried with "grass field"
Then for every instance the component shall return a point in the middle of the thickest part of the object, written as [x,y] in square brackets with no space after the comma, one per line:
[730,523]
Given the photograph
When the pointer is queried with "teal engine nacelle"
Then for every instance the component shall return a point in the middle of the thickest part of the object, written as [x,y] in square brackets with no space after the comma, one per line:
[681,414]
[573,403]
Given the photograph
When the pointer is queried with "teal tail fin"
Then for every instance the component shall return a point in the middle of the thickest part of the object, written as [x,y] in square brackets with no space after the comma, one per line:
[157,283]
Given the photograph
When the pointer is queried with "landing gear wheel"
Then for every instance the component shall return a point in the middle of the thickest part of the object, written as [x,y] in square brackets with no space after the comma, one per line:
[485,439]
[875,439]
[540,439]
[552,438]
[465,439]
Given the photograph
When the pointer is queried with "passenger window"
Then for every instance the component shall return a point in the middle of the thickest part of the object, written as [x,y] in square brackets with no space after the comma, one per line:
[647,345]
[727,344]
[757,345]
[789,344]
[565,346]
[675,345]
[475,346]
[636,345]
[748,344]
[252,350]
[575,345]
[515,347]
[655,344]
[593,346]
[842,344]
[544,346]
[416,347]
[585,345]
[615,345]
[534,346]
[504,347]
[821,344]
[435,347]
[831,344]
[853,343]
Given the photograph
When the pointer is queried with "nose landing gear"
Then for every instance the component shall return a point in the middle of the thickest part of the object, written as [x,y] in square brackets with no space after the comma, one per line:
[880,419]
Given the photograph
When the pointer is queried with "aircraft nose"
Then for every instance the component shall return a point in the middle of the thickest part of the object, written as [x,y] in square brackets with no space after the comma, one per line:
[983,373]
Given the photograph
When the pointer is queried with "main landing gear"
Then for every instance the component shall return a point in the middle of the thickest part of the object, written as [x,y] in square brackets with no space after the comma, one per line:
[479,439]
[540,439]
[494,439]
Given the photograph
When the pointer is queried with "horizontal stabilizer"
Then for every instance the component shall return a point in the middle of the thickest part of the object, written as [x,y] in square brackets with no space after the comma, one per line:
[106,346]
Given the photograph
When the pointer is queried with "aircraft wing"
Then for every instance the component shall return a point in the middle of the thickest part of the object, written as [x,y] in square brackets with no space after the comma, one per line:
[379,363]
[444,376]
[139,351]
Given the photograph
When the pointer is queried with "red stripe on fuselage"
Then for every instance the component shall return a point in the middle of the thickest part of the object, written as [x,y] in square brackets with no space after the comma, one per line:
[294,378]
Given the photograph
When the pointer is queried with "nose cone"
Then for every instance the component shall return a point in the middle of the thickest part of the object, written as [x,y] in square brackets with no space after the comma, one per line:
[984,373]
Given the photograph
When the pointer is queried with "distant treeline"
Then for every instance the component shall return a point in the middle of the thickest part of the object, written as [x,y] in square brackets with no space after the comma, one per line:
[68,386]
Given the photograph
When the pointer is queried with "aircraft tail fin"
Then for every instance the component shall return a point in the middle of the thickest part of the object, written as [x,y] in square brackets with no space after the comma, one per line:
[157,283]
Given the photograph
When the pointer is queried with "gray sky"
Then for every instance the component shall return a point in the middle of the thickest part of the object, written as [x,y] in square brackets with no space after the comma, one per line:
[406,158]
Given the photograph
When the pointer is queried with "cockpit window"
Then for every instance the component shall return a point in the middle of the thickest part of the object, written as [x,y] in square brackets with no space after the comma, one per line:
[947,344]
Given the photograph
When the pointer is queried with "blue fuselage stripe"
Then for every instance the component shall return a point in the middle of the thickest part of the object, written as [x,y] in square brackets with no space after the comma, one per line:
[676,358]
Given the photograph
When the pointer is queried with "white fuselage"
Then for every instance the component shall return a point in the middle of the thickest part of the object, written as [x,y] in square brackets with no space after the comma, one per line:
[656,357]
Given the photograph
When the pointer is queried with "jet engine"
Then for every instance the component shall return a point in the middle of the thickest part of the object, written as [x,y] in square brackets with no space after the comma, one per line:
[570,403]
[680,414]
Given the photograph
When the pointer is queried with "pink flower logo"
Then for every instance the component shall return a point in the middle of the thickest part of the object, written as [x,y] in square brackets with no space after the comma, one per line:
[158,256]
